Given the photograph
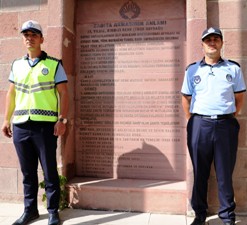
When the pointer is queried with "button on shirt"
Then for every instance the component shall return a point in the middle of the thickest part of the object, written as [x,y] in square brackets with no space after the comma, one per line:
[212,87]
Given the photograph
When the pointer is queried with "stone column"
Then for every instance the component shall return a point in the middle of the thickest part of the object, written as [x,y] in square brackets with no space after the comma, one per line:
[60,40]
[196,23]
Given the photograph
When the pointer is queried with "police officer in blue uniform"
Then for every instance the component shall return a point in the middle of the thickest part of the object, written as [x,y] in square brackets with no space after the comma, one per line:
[37,99]
[212,96]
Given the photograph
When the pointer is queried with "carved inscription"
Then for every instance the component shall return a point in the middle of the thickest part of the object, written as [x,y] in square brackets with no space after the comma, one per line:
[128,99]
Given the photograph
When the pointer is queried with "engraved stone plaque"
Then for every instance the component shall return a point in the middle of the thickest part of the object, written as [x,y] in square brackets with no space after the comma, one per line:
[130,66]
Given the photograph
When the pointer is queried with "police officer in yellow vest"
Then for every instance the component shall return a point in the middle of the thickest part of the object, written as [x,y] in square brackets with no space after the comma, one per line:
[37,99]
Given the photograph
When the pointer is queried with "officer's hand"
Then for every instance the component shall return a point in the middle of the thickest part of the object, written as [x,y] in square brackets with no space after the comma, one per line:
[6,130]
[59,129]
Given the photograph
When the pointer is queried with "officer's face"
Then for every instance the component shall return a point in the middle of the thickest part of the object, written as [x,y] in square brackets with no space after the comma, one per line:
[32,40]
[212,45]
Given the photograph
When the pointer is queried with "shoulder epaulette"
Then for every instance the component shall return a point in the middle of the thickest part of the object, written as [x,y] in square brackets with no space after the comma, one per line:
[190,65]
[53,58]
[234,62]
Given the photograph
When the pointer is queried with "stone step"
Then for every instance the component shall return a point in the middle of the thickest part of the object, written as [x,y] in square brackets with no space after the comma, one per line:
[156,196]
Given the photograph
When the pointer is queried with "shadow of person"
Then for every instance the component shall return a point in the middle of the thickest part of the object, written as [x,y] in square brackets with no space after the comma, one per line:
[147,162]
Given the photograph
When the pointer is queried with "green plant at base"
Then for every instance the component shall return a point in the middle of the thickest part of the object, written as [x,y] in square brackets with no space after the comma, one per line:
[63,203]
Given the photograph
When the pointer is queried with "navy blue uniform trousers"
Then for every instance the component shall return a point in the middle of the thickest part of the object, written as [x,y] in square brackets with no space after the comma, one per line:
[213,140]
[34,142]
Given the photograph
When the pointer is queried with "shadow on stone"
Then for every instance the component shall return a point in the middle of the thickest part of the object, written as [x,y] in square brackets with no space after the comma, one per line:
[146,162]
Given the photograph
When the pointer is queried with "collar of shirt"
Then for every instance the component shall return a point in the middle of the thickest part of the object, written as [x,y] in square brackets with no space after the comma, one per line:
[203,62]
[43,56]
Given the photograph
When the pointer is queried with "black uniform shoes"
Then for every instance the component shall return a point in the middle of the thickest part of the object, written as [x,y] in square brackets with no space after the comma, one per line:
[54,219]
[26,218]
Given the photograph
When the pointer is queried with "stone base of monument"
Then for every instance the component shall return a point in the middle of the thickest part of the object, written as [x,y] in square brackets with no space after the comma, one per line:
[157,196]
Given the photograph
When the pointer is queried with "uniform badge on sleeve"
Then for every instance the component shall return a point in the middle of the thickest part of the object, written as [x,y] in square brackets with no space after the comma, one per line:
[45,71]
[229,77]
[197,79]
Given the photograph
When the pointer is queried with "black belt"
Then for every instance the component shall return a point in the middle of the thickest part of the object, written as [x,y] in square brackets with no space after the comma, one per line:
[216,117]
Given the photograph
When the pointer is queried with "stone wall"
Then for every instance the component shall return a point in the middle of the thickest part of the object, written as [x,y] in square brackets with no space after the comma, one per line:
[56,19]
[230,16]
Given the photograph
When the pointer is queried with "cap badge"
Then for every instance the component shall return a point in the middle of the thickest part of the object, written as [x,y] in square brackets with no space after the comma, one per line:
[30,24]
[211,29]
[45,71]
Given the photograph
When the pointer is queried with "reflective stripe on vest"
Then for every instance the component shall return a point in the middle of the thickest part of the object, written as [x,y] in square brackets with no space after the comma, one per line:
[36,96]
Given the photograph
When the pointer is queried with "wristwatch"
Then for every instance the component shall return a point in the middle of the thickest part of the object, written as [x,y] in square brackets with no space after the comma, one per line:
[63,120]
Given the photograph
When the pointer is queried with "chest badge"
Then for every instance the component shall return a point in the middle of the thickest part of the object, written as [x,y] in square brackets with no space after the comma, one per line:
[45,71]
[229,77]
[197,79]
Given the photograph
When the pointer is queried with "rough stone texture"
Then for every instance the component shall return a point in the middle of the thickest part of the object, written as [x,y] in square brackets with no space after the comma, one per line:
[11,49]
[194,31]
[23,5]
[68,15]
[50,15]
[68,47]
[230,17]
[235,45]
[242,133]
[4,83]
[68,56]
[8,157]
[57,18]
[196,23]
[128,195]
[196,9]
[55,13]
[52,47]
[2,99]
[8,185]
[227,14]
[240,197]
[9,25]
[241,165]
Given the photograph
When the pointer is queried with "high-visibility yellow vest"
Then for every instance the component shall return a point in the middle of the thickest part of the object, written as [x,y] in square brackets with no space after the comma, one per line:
[36,96]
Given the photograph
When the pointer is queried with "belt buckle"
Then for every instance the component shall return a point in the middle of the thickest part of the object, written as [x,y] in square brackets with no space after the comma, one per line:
[214,117]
